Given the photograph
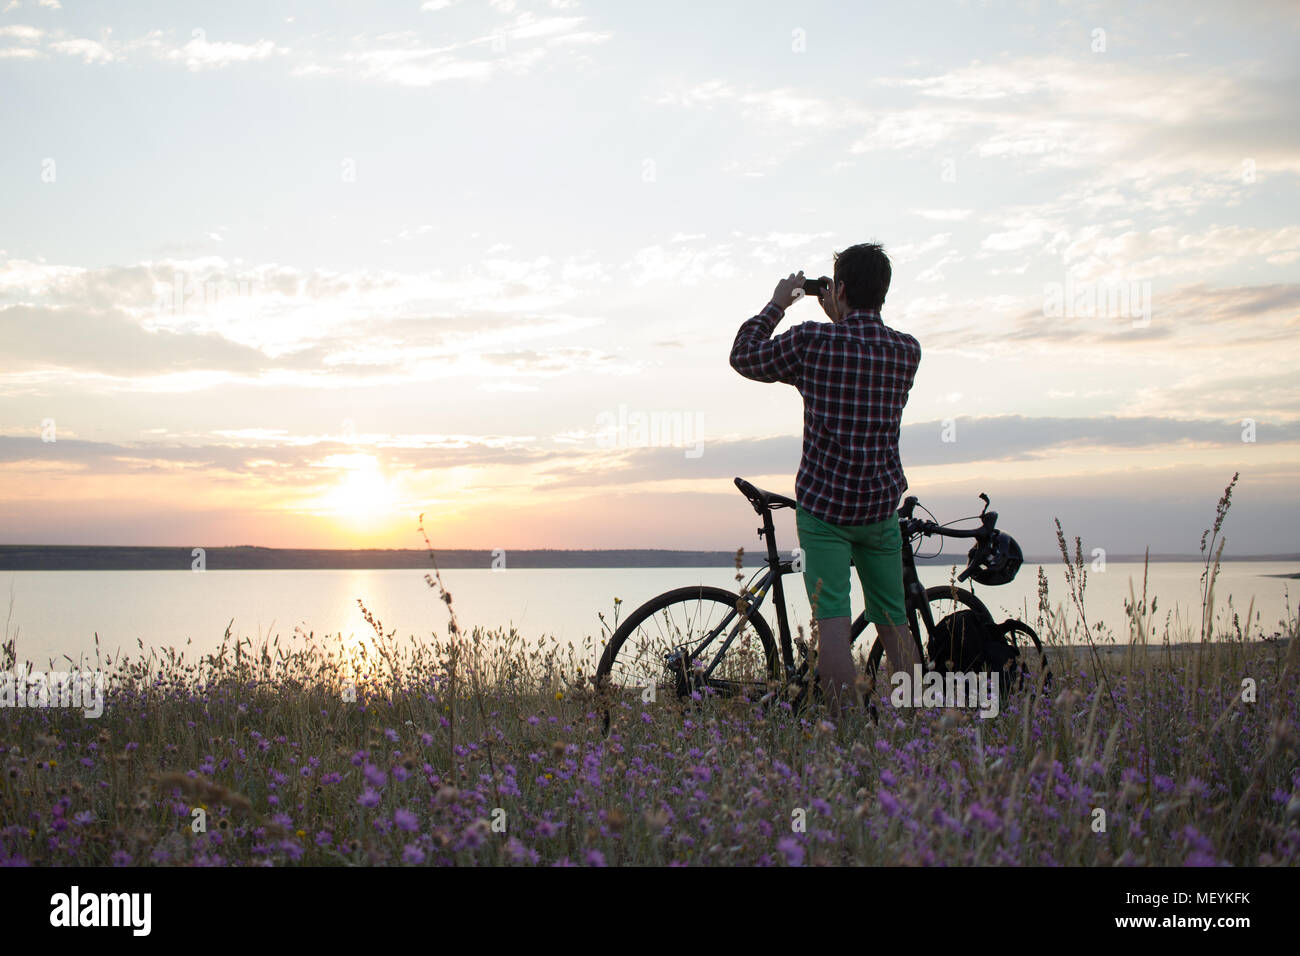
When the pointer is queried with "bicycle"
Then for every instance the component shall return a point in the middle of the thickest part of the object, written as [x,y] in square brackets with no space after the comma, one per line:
[748,661]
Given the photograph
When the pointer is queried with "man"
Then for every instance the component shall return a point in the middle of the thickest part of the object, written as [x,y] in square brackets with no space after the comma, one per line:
[854,375]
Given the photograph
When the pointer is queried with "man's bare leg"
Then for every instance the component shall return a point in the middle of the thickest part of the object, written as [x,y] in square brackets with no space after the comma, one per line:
[900,649]
[835,667]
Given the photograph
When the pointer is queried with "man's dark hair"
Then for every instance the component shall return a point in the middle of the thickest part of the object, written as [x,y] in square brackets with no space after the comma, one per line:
[865,271]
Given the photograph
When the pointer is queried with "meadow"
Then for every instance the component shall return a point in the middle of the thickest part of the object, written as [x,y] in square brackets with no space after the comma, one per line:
[471,749]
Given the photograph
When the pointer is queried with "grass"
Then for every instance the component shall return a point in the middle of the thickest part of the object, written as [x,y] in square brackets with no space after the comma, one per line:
[483,749]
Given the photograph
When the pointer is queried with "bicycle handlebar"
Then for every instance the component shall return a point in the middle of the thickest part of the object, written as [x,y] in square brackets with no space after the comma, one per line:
[930,527]
[913,526]
[766,501]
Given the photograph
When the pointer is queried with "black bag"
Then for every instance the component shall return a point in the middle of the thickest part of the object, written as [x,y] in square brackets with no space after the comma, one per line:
[967,641]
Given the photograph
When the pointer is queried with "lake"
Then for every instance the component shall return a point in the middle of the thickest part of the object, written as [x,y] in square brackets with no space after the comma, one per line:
[53,613]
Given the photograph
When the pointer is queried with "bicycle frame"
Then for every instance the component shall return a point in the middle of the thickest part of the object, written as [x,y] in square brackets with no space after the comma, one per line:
[693,657]
[754,595]
[770,580]
[917,606]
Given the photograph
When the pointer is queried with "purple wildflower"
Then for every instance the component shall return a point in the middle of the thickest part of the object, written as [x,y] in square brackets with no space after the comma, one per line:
[984,816]
[473,837]
[792,850]
[519,853]
[412,854]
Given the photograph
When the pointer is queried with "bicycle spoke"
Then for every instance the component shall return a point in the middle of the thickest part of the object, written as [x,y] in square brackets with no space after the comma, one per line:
[678,643]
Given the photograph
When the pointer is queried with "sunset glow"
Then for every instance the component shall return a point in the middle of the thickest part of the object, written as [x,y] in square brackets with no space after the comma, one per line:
[362,492]
[1092,226]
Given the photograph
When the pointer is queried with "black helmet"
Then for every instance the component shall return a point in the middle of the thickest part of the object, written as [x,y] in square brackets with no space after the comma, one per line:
[996,560]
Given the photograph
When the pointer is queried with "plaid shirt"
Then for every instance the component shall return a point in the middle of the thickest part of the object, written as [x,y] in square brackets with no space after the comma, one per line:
[854,377]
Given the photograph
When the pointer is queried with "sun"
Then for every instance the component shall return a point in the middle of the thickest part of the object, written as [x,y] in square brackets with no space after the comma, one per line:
[362,491]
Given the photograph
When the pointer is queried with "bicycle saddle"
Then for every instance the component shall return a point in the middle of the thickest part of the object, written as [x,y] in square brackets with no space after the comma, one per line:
[761,499]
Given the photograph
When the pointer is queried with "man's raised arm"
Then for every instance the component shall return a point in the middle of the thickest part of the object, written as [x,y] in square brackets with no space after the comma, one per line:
[755,354]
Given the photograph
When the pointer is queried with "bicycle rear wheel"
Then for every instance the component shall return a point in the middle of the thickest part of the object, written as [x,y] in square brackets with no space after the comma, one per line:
[944,599]
[1033,671]
[687,639]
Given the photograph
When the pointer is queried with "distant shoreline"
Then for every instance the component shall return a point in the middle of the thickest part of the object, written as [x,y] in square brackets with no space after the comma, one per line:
[18,557]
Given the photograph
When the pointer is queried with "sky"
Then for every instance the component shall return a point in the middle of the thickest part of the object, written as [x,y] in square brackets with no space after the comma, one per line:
[294,274]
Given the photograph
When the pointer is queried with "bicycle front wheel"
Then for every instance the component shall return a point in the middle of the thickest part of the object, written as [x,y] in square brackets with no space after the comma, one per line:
[687,639]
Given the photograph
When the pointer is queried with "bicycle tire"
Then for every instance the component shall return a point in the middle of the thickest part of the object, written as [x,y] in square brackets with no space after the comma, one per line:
[969,600]
[932,594]
[652,670]
[1027,676]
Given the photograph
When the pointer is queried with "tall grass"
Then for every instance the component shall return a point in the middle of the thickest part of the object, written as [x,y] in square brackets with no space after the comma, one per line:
[482,748]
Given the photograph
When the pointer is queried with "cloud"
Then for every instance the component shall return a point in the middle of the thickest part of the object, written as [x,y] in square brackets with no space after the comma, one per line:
[1011,438]
[1003,439]
[1233,322]
[373,326]
[146,323]
[1023,236]
[935,272]
[88,51]
[289,460]
[1168,251]
[529,26]
[22,33]
[1243,395]
[200,54]
[914,250]
[780,248]
[514,46]
[197,53]
[1006,439]
[700,94]
[678,264]
[112,343]
[414,67]
[1171,132]
[554,361]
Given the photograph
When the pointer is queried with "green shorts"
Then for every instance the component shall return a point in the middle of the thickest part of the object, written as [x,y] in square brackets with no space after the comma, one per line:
[876,550]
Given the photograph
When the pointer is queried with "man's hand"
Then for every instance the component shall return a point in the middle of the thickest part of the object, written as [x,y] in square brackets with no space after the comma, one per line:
[785,295]
[829,305]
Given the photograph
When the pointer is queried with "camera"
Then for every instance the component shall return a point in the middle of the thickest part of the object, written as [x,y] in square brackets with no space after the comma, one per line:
[814,287]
